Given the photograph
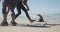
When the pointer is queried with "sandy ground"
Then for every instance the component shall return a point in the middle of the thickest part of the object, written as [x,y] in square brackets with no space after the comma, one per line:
[18,28]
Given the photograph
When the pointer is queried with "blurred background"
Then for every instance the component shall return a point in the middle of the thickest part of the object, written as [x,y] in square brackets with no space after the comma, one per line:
[49,9]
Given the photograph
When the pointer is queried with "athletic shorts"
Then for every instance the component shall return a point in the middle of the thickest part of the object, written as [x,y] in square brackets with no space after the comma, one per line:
[11,2]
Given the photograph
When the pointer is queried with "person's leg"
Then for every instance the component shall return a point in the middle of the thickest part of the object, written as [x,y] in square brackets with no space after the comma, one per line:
[13,14]
[26,12]
[13,4]
[4,22]
[8,8]
[13,17]
[18,10]
[4,14]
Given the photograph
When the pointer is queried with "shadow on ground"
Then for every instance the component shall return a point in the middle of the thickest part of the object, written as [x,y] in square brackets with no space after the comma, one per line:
[37,26]
[25,25]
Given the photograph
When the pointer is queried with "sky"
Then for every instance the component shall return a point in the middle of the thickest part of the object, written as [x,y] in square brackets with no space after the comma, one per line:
[42,7]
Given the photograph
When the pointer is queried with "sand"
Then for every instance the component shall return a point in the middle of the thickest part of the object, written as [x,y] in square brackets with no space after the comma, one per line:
[55,28]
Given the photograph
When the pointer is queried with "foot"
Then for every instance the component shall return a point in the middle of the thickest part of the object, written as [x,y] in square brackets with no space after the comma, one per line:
[32,21]
[40,21]
[4,24]
[13,23]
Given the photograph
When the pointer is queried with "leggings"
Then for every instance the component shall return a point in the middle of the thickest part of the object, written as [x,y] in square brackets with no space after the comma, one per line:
[19,7]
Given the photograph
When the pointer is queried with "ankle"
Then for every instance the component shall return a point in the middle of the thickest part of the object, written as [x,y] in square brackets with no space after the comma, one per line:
[12,21]
[4,20]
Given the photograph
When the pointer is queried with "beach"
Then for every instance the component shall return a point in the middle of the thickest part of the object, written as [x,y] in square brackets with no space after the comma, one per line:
[54,26]
[18,28]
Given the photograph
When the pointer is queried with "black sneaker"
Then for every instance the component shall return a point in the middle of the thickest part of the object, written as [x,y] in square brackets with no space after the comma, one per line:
[41,21]
[13,23]
[4,24]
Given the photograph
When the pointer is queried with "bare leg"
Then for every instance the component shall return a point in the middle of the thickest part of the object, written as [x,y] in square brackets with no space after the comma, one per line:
[4,22]
[13,16]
